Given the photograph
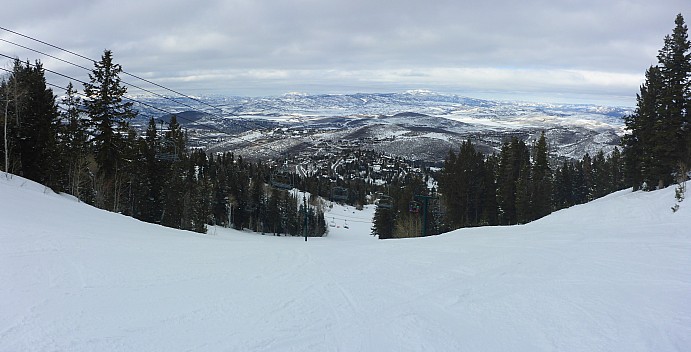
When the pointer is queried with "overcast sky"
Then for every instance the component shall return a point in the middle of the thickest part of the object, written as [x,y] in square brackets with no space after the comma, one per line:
[557,51]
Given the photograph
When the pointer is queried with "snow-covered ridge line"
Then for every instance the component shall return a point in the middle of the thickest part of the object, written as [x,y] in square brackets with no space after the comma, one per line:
[377,103]
[572,129]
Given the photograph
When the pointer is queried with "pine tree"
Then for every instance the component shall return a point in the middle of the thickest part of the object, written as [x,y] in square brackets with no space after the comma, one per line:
[130,188]
[220,191]
[383,223]
[201,197]
[320,224]
[541,198]
[291,216]
[616,165]
[173,188]
[473,164]
[642,165]
[257,202]
[240,184]
[524,209]
[490,207]
[75,139]
[602,178]
[153,175]
[564,186]
[14,93]
[110,117]
[580,184]
[513,159]
[36,129]
[450,188]
[675,67]
[659,138]
[468,187]
[273,212]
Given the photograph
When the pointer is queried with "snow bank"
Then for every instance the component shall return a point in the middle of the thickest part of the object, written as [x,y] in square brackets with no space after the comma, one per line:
[612,275]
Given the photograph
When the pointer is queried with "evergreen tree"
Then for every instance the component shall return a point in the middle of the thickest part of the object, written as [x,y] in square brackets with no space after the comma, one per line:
[602,179]
[290,218]
[75,139]
[257,202]
[320,227]
[153,176]
[580,187]
[110,117]
[220,192]
[14,94]
[640,159]
[273,212]
[464,184]
[523,206]
[617,171]
[34,134]
[383,223]
[37,127]
[490,207]
[450,188]
[541,198]
[564,186]
[675,67]
[659,136]
[240,184]
[130,189]
[514,158]
[173,188]
[201,196]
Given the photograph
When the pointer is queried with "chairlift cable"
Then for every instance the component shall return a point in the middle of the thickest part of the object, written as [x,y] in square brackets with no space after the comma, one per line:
[123,71]
[137,87]
[151,106]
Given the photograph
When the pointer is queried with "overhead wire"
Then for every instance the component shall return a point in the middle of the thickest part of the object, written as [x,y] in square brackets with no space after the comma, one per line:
[147,105]
[94,61]
[49,84]
[130,84]
[127,98]
[123,71]
[343,217]
[80,81]
[210,127]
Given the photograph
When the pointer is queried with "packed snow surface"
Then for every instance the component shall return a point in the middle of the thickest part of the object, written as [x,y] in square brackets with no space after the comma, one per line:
[611,275]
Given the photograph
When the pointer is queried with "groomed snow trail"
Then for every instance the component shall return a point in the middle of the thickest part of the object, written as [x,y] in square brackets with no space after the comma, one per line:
[611,275]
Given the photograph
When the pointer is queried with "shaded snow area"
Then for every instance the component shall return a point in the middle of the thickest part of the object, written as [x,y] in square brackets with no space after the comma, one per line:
[611,275]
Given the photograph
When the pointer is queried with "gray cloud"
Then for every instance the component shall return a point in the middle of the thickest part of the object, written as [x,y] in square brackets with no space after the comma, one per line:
[245,47]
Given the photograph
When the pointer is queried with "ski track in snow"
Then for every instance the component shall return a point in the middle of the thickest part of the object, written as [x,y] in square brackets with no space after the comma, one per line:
[611,275]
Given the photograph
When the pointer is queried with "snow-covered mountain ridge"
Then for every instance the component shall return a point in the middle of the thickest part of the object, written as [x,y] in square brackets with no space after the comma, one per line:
[424,124]
[610,275]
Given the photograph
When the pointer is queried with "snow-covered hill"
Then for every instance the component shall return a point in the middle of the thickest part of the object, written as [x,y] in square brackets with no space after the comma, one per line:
[425,124]
[611,275]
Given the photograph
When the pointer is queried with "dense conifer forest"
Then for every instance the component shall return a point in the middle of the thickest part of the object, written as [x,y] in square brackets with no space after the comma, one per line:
[514,187]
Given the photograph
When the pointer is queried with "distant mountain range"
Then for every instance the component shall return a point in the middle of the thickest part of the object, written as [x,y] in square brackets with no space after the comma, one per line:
[418,125]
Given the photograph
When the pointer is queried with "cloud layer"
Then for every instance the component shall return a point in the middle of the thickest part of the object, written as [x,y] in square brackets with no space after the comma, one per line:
[259,47]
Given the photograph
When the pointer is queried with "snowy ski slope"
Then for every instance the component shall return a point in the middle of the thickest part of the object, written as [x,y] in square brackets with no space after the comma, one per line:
[612,275]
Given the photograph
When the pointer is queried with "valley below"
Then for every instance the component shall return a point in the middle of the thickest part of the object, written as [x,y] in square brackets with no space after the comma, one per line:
[416,125]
